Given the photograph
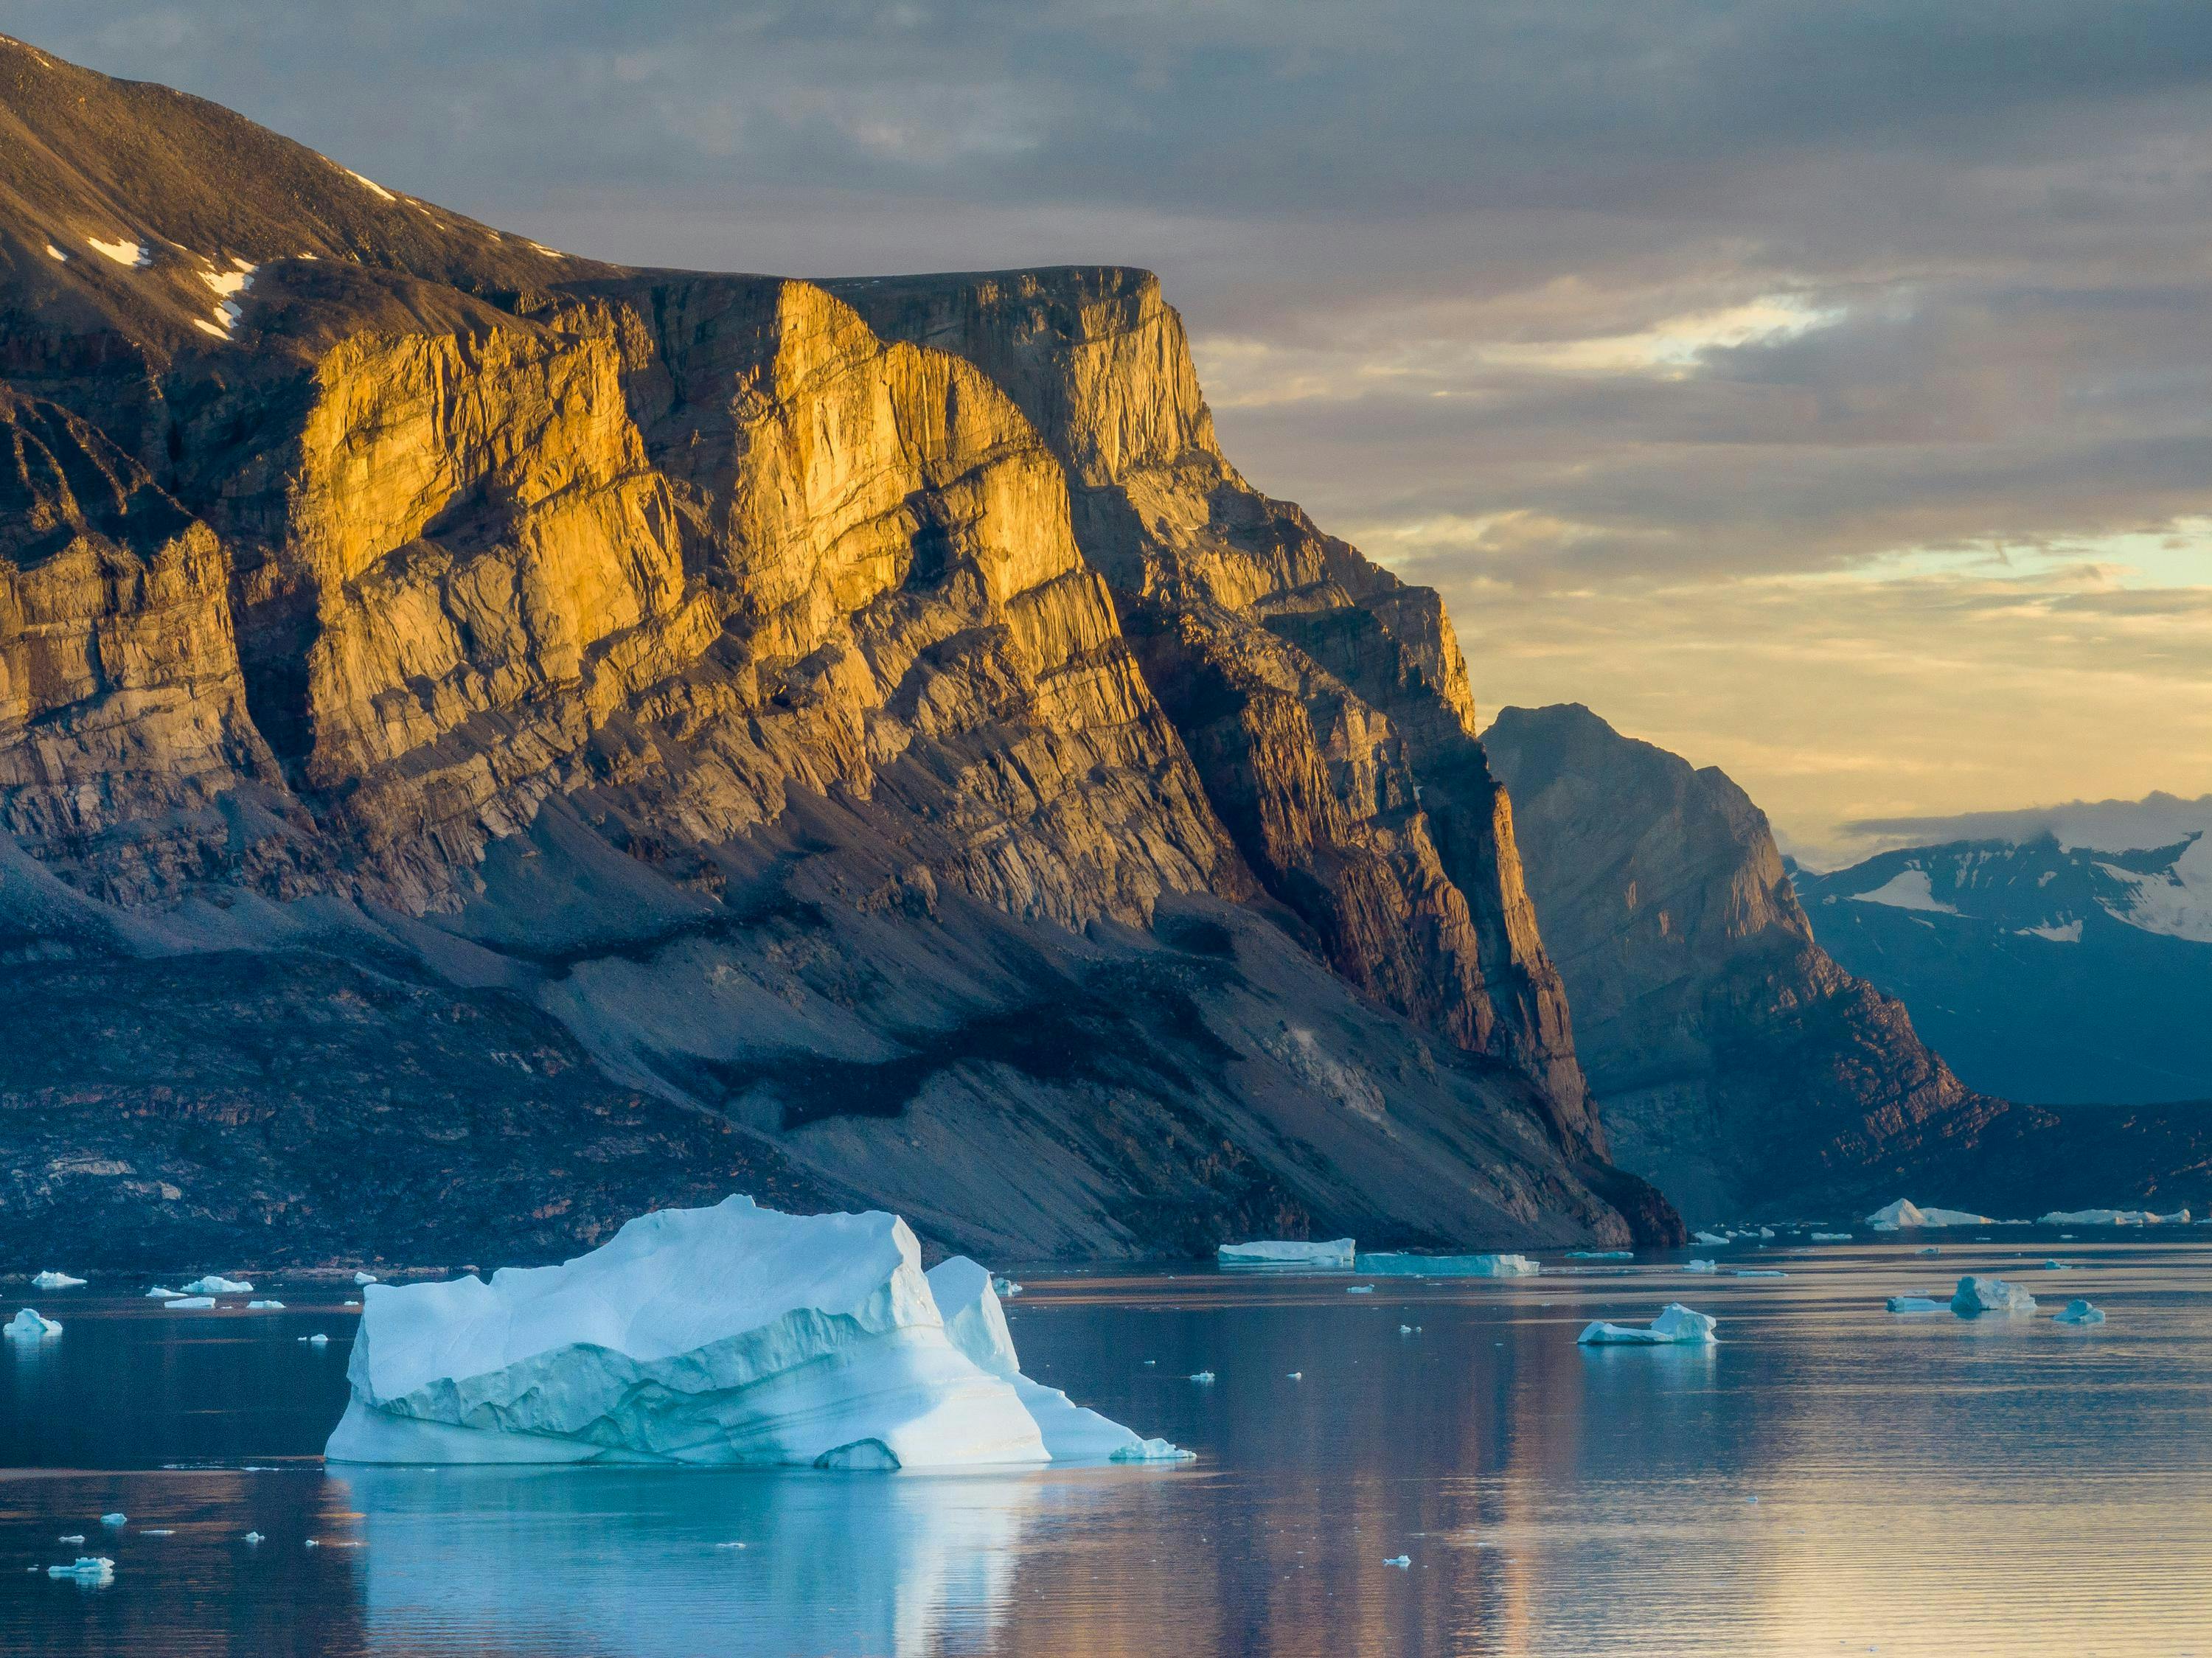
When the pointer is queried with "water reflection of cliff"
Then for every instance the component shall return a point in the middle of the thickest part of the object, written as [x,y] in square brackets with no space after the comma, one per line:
[630,1562]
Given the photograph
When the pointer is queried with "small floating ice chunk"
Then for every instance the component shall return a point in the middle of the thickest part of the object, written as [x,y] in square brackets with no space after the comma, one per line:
[1758,1272]
[27,1326]
[255,1537]
[215,1283]
[188,1304]
[311,1543]
[71,1538]
[1831,1237]
[1359,1290]
[1201,1376]
[1405,1329]
[1295,1375]
[1989,1295]
[2080,1312]
[1401,1561]
[1931,1249]
[115,1520]
[1004,1288]
[135,255]
[1336,1252]
[2057,1267]
[366,1278]
[1709,1238]
[86,1568]
[1399,1265]
[51,1280]
[1153,1450]
[1701,1266]
[1678,1325]
[1904,1215]
[162,1531]
[318,1340]
[264,1306]
[1916,1304]
[2112,1217]
[1600,1255]
[158,1293]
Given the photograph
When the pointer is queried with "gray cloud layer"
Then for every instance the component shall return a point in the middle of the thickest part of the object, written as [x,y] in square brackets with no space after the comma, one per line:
[1746,334]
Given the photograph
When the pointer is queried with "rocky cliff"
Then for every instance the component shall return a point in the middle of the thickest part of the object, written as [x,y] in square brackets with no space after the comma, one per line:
[860,741]
[1737,1064]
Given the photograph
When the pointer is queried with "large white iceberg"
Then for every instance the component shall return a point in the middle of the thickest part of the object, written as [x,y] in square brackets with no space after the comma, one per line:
[1402,1265]
[2112,1217]
[1676,1326]
[729,1335]
[1904,1215]
[52,1280]
[215,1283]
[27,1326]
[1337,1251]
[1989,1295]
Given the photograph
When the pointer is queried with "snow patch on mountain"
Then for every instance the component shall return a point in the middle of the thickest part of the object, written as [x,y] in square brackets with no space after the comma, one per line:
[2175,900]
[1908,889]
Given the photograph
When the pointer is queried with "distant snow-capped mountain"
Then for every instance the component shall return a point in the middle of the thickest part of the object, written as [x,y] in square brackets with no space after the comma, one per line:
[2043,968]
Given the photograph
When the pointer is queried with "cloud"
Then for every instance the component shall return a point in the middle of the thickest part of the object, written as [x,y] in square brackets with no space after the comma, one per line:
[1825,390]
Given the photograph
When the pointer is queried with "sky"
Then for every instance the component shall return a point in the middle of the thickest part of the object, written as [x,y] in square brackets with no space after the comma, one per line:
[1823,392]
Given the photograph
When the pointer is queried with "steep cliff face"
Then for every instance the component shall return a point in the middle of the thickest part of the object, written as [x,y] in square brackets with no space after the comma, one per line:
[722,704]
[1737,1064]
[1323,702]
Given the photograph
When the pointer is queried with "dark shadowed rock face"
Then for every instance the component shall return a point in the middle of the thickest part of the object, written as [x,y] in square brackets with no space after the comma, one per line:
[821,761]
[1737,1064]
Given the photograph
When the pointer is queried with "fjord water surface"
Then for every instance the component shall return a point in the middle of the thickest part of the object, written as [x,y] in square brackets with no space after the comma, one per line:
[1829,1478]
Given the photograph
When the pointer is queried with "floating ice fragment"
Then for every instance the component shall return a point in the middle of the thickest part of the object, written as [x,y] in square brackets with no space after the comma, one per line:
[115,1520]
[1767,1231]
[726,1335]
[1931,1249]
[162,1531]
[27,1326]
[1153,1450]
[188,1304]
[215,1283]
[1600,1255]
[318,1340]
[1675,1326]
[255,1537]
[2056,1266]
[365,1278]
[1359,1290]
[311,1543]
[1337,1251]
[1758,1272]
[51,1280]
[729,1546]
[157,1293]
[1401,1561]
[1201,1376]
[2080,1312]
[87,1569]
[1703,1267]
[1005,1287]
[1904,1214]
[71,1538]
[1989,1295]
[264,1306]
[1393,1264]
[1831,1238]
[1916,1304]
[1405,1329]
[2112,1217]
[1296,1375]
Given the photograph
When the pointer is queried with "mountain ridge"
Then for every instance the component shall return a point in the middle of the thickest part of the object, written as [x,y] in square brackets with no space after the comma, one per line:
[732,700]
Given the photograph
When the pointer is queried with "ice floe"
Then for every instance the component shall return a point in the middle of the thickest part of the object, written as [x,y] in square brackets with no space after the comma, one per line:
[1408,1265]
[1337,1251]
[1677,1326]
[215,1283]
[1758,1272]
[2112,1217]
[1710,1237]
[365,1278]
[116,1520]
[264,1306]
[1829,1237]
[1916,1304]
[188,1304]
[51,1280]
[2080,1312]
[1701,1266]
[1904,1215]
[158,1293]
[1600,1255]
[1989,1295]
[86,1568]
[27,1326]
[728,1335]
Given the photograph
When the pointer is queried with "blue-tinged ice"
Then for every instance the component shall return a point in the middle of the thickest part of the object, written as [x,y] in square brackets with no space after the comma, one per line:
[1678,1325]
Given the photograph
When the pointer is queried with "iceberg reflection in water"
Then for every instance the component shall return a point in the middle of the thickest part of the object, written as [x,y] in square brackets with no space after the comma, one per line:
[639,1562]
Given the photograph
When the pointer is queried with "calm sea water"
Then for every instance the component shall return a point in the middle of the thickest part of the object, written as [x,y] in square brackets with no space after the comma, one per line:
[1829,1478]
